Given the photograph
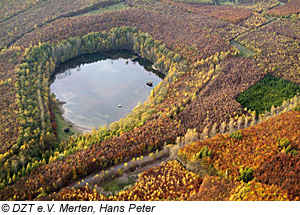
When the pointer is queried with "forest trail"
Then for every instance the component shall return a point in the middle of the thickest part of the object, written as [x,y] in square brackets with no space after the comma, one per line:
[243,50]
[144,164]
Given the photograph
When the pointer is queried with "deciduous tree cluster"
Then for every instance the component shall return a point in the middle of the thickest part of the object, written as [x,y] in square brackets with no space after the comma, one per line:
[214,105]
[41,13]
[234,157]
[169,181]
[277,50]
[290,9]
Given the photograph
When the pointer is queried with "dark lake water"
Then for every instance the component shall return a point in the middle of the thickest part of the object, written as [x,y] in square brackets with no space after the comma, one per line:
[94,85]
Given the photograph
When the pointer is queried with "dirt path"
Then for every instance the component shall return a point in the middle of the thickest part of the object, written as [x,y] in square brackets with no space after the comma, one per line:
[250,29]
[140,165]
[243,50]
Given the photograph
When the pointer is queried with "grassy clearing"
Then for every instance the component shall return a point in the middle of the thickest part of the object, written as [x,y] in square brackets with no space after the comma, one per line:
[117,185]
[61,125]
[118,6]
[243,50]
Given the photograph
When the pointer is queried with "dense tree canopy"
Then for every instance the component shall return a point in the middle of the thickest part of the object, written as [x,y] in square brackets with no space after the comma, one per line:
[206,78]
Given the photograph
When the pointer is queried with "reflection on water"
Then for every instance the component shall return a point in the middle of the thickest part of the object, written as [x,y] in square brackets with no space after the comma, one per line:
[94,85]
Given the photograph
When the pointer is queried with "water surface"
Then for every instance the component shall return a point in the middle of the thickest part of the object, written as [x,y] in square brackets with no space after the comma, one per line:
[95,85]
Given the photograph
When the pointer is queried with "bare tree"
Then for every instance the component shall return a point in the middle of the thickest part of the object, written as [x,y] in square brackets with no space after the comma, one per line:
[222,127]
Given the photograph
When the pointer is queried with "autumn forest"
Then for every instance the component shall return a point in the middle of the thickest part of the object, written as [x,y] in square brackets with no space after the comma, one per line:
[223,124]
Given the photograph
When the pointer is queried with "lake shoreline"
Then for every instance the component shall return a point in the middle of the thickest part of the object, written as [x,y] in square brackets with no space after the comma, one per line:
[72,125]
[101,88]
